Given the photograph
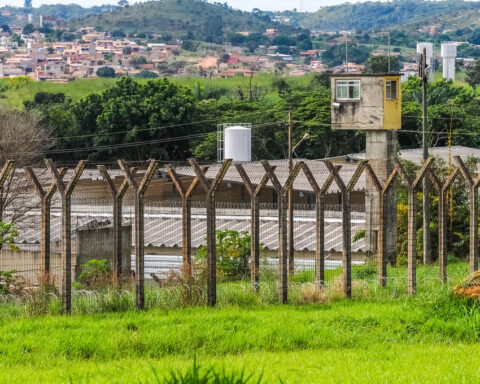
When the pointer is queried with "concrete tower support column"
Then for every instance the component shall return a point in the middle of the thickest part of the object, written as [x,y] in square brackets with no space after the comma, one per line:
[380,149]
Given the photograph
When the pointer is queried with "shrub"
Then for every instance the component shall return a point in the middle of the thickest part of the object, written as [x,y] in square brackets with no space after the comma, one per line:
[10,284]
[8,235]
[105,72]
[233,253]
[95,273]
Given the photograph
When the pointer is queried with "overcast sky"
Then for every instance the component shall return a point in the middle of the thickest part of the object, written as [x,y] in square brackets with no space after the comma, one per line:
[272,5]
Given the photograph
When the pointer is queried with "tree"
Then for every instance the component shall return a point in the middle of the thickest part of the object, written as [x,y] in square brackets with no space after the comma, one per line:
[24,140]
[105,72]
[27,4]
[44,98]
[379,64]
[138,61]
[123,4]
[17,39]
[213,28]
[473,74]
[132,112]
[224,57]
[28,29]
[146,75]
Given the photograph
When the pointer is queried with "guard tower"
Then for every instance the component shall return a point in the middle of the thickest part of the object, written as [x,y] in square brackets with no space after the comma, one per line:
[372,103]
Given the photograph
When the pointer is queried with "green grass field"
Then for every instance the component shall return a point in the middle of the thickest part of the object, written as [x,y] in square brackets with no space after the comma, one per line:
[75,90]
[380,336]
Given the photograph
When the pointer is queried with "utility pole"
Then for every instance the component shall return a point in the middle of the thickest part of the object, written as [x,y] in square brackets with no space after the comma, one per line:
[346,49]
[388,51]
[427,248]
[291,245]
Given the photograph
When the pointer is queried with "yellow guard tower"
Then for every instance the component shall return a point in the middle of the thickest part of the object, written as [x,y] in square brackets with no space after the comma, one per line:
[372,103]
[366,102]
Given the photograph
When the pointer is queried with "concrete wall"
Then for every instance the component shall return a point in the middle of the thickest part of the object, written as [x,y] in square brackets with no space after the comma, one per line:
[28,265]
[363,114]
[97,243]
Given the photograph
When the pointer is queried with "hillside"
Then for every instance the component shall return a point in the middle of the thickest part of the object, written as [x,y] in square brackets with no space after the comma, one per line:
[378,15]
[178,17]
[60,11]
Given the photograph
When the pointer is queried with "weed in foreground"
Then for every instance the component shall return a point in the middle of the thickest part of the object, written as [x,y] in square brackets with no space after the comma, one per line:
[209,375]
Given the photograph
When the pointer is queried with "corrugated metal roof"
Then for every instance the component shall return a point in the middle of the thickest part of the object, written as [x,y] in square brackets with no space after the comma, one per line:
[164,229]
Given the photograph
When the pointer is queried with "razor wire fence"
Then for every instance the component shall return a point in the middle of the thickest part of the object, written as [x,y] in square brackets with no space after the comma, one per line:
[193,235]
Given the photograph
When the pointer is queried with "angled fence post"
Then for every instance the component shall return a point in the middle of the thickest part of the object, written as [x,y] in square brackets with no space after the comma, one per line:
[442,218]
[46,202]
[345,191]
[473,197]
[139,190]
[4,173]
[186,196]
[210,189]
[282,224]
[66,196]
[412,218]
[254,193]
[320,222]
[383,214]
[117,195]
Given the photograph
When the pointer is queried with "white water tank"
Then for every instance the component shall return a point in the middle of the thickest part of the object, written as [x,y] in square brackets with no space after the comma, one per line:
[449,54]
[238,143]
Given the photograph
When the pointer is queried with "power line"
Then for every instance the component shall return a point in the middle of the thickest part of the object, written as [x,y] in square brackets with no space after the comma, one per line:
[132,144]
[141,129]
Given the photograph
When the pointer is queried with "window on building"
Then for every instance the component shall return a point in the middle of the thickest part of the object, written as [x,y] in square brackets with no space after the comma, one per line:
[391,90]
[348,89]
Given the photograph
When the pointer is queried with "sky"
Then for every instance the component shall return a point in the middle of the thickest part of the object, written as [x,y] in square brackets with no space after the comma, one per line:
[247,5]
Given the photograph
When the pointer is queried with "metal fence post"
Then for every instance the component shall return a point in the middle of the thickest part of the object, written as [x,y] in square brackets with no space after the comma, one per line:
[320,222]
[254,193]
[473,197]
[117,195]
[382,226]
[282,224]
[210,189]
[442,218]
[412,219]
[140,190]
[345,191]
[46,200]
[186,197]
[66,195]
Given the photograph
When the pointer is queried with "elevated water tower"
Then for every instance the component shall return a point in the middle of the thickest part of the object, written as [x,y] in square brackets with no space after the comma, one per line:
[449,55]
[234,141]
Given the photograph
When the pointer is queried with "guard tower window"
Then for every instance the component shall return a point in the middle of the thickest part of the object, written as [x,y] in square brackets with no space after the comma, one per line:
[348,89]
[391,90]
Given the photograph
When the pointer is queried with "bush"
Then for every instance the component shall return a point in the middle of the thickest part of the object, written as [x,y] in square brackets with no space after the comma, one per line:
[95,273]
[105,72]
[10,284]
[146,75]
[233,253]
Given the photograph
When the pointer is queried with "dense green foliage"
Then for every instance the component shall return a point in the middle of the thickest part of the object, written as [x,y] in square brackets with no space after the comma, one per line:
[233,254]
[208,22]
[105,72]
[370,15]
[139,119]
[382,64]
